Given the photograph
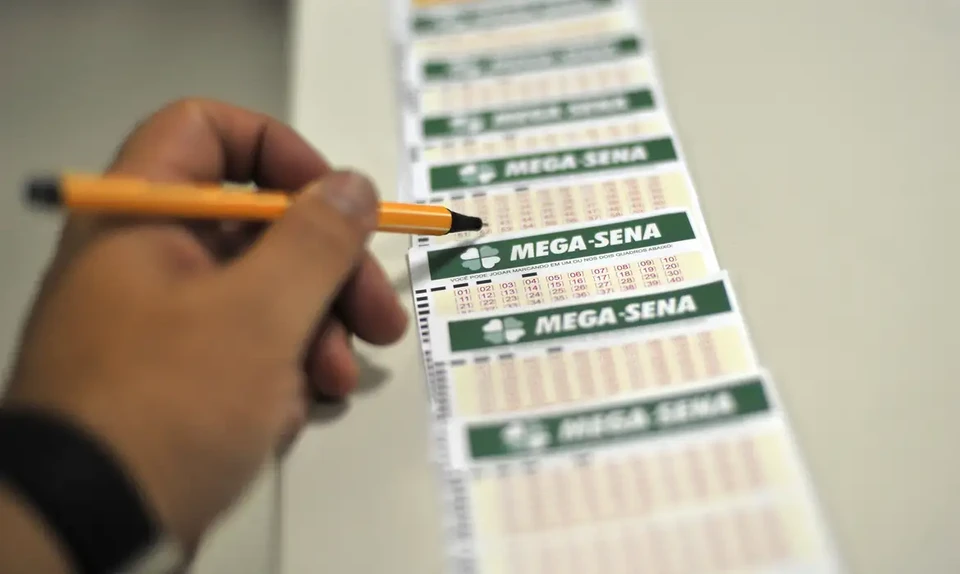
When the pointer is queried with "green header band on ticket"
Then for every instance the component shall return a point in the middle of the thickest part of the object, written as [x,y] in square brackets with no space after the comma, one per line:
[565,162]
[530,61]
[475,18]
[539,115]
[616,237]
[630,421]
[596,317]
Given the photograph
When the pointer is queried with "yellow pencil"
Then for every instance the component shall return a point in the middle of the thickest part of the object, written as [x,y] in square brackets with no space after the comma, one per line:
[130,196]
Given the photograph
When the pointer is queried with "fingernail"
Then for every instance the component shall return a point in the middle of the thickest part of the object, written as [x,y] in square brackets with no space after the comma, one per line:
[351,194]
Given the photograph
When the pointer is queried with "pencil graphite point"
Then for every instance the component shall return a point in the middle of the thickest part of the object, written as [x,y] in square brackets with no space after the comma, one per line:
[460,222]
[43,191]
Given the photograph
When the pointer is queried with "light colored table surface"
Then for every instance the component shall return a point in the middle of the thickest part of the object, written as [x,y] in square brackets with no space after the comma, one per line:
[822,135]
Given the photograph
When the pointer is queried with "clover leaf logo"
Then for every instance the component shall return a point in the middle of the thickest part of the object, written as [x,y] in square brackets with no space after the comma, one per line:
[466,125]
[477,173]
[525,436]
[486,257]
[499,331]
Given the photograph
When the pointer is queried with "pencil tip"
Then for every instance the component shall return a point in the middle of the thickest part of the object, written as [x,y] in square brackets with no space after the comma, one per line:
[460,222]
[44,191]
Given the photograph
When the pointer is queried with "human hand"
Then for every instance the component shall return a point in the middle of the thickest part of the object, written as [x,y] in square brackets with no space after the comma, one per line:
[191,351]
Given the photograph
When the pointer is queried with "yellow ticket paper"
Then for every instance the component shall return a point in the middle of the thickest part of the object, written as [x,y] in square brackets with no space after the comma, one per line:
[608,318]
[576,371]
[707,480]
[544,206]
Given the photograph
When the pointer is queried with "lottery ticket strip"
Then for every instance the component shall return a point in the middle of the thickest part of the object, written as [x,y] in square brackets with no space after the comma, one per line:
[597,402]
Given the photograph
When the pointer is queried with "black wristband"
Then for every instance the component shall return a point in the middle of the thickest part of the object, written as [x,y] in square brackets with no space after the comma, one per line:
[77,486]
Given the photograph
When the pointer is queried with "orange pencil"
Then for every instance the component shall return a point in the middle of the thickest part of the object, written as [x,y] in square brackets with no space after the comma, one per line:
[130,196]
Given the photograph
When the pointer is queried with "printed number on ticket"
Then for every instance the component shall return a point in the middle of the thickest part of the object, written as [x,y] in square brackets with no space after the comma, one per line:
[698,481]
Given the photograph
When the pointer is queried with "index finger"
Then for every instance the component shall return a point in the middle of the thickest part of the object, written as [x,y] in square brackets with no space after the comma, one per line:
[204,141]
[209,141]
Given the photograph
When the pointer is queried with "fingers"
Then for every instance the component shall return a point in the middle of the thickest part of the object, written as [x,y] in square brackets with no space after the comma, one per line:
[331,367]
[369,306]
[292,275]
[206,140]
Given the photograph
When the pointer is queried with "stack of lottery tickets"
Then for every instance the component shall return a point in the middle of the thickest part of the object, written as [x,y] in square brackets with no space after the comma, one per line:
[597,402]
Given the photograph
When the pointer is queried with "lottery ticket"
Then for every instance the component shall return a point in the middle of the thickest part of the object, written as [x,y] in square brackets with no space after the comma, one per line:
[500,63]
[572,372]
[585,201]
[643,155]
[702,479]
[515,38]
[607,318]
[602,243]
[575,134]
[504,123]
[461,20]
[516,95]
[670,264]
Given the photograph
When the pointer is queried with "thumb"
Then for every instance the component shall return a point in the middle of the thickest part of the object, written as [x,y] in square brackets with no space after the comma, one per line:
[291,276]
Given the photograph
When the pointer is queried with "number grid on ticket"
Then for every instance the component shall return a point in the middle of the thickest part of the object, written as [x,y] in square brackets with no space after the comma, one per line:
[541,140]
[564,283]
[718,502]
[527,208]
[565,374]
[534,87]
